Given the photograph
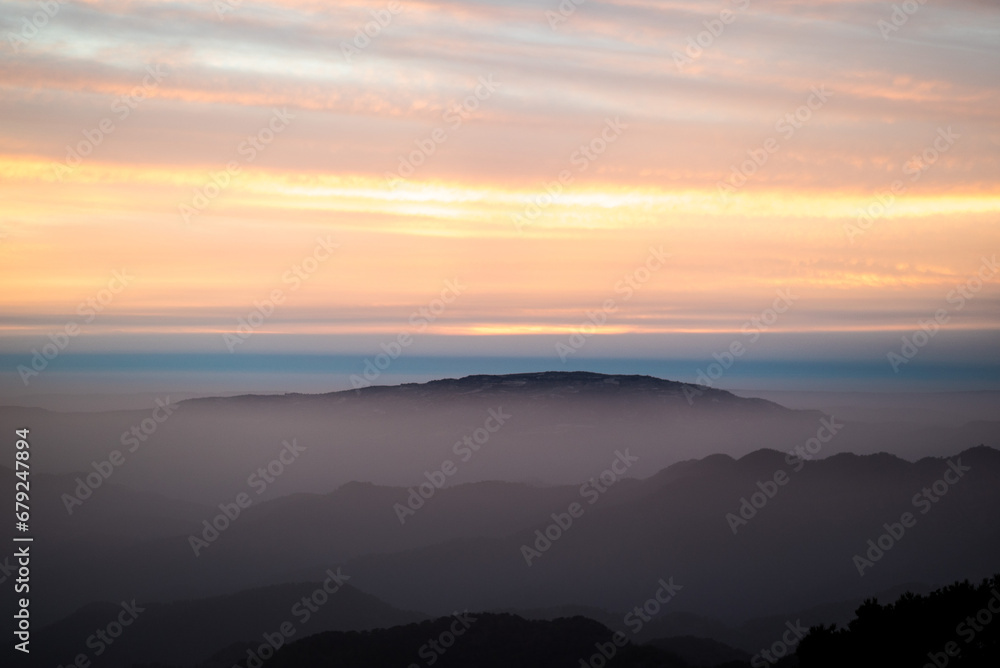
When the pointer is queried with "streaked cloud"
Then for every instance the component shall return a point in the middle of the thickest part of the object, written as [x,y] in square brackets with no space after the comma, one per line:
[657,184]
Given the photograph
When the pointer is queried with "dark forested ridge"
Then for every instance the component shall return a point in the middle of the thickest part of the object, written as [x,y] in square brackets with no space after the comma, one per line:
[480,640]
[958,625]
[952,626]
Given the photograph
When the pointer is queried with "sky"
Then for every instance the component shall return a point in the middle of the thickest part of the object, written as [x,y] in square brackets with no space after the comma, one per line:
[270,195]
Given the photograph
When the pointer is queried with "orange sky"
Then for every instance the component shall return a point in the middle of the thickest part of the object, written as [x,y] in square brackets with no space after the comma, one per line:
[311,136]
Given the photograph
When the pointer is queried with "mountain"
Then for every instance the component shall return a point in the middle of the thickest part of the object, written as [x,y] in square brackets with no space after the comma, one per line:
[796,551]
[555,494]
[561,428]
[539,385]
[745,639]
[186,633]
[306,533]
[701,651]
[483,640]
[544,428]
[464,548]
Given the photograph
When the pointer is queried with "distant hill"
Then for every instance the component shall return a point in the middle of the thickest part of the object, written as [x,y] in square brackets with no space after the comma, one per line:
[186,633]
[483,641]
[746,639]
[494,533]
[463,549]
[562,428]
[701,651]
[539,385]
[793,553]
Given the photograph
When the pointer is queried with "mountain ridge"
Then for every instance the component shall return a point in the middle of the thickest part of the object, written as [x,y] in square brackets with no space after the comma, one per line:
[579,383]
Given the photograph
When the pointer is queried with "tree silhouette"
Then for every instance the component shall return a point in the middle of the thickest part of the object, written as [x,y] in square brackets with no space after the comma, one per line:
[955,626]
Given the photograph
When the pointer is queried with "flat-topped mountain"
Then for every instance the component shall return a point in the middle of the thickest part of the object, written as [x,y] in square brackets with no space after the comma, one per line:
[538,385]
[542,428]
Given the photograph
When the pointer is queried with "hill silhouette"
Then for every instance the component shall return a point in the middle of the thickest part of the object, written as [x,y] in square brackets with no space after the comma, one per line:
[957,625]
[482,641]
[186,633]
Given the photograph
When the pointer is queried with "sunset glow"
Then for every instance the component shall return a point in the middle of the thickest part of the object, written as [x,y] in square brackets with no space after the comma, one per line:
[533,154]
